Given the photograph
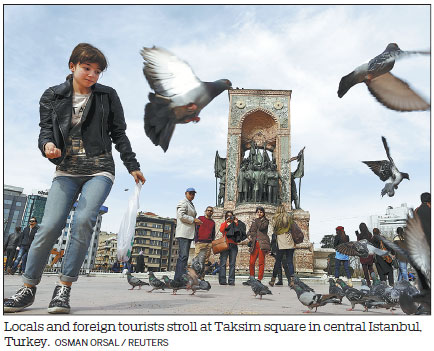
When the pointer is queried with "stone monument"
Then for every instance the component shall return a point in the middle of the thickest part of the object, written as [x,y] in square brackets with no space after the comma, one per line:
[257,169]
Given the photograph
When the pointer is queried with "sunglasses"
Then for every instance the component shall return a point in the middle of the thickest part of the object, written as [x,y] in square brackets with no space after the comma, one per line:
[32,221]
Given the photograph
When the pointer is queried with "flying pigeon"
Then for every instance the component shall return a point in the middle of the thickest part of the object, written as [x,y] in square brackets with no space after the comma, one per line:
[133,281]
[258,288]
[389,90]
[155,282]
[387,171]
[179,95]
[418,254]
[336,290]
[361,248]
[313,300]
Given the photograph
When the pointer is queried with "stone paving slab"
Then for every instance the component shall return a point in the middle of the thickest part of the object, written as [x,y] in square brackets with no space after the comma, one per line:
[109,295]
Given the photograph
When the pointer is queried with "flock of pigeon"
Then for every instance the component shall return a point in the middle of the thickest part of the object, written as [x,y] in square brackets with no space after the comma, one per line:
[411,299]
[179,96]
[189,281]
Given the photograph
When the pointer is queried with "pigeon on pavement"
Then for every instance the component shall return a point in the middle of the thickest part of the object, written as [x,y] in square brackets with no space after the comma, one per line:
[313,300]
[387,171]
[179,95]
[356,296]
[156,283]
[133,281]
[361,248]
[364,288]
[258,288]
[304,286]
[389,90]
[335,289]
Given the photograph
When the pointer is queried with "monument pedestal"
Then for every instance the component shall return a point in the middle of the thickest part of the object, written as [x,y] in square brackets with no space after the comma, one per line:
[303,255]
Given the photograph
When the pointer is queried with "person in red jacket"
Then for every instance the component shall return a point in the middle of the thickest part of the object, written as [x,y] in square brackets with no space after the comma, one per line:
[230,220]
[204,235]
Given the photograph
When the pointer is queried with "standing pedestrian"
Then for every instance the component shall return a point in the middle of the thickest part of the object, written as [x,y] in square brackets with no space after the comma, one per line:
[185,227]
[402,262]
[367,262]
[10,247]
[285,245]
[79,121]
[424,214]
[231,252]
[260,244]
[27,237]
[340,258]
[204,235]
[383,264]
[140,262]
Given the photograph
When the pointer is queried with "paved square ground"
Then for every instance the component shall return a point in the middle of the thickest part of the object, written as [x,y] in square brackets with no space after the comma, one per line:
[108,294]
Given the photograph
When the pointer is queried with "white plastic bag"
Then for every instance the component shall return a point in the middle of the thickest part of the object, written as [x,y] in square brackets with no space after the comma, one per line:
[128,225]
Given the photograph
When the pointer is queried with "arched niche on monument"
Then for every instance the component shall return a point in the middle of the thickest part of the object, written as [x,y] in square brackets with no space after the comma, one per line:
[258,177]
[261,127]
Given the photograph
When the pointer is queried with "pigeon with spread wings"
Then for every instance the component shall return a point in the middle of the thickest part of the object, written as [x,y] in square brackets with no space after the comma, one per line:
[179,95]
[389,90]
[386,170]
[361,248]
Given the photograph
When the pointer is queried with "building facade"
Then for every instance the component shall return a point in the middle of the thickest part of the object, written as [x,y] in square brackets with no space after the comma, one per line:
[393,218]
[35,207]
[107,251]
[155,236]
[14,202]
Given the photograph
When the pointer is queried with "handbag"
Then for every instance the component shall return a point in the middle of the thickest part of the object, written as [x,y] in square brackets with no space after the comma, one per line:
[220,245]
[297,234]
[387,258]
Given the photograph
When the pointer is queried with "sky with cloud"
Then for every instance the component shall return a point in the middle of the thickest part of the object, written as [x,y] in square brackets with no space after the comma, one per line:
[306,49]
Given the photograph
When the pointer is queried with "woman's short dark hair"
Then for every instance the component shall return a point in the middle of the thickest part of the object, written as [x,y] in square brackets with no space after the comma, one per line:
[260,208]
[86,53]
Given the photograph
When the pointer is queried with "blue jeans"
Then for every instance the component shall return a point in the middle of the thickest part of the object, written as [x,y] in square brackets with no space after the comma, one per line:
[181,263]
[338,266]
[22,257]
[402,271]
[232,254]
[63,194]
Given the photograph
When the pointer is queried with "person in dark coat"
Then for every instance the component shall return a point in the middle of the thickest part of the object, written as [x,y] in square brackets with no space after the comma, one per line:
[383,264]
[367,262]
[10,247]
[27,236]
[260,242]
[140,263]
[424,214]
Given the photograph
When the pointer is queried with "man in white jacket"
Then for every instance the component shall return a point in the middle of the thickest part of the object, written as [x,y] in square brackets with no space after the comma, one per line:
[185,227]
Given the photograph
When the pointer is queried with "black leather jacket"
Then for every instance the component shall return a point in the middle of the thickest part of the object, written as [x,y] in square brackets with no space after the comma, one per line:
[103,123]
